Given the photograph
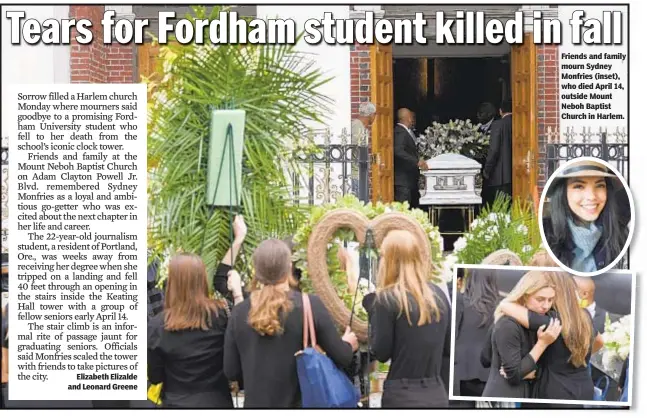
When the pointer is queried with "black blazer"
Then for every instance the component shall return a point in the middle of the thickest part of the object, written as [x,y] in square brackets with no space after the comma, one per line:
[266,365]
[498,165]
[565,252]
[511,345]
[190,364]
[405,159]
[470,337]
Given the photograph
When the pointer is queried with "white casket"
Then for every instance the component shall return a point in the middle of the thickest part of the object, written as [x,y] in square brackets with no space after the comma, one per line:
[451,180]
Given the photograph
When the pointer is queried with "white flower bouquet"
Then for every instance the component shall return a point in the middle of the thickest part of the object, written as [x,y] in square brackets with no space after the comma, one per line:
[455,137]
[617,341]
[499,227]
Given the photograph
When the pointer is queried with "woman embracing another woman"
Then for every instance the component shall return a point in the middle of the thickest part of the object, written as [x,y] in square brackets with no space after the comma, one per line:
[564,366]
[514,350]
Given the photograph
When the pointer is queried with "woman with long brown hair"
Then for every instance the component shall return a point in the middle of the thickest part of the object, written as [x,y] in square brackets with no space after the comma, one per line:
[266,330]
[564,374]
[409,318]
[514,350]
[186,340]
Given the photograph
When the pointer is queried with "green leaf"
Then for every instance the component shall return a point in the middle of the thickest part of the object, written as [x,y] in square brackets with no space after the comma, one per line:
[280,90]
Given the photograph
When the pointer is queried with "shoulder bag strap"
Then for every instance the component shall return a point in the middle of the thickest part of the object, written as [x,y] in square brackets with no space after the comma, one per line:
[308,323]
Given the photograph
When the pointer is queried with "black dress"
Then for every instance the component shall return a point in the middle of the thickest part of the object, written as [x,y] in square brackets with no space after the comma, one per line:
[265,365]
[470,337]
[558,378]
[511,344]
[416,352]
[189,364]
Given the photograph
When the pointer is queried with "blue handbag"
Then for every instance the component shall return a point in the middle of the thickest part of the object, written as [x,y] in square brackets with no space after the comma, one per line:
[322,383]
[601,394]
[624,396]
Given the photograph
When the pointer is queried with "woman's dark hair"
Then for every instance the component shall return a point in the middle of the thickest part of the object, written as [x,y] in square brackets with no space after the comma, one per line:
[296,272]
[612,219]
[486,113]
[482,293]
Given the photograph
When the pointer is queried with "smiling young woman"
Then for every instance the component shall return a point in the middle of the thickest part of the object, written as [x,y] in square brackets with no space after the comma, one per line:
[586,227]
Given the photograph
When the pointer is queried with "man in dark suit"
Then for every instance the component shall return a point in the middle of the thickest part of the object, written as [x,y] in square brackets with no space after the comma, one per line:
[406,163]
[497,170]
[586,291]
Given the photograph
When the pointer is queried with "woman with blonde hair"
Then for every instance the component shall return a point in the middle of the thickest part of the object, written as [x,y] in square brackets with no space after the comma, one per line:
[266,330]
[514,350]
[564,373]
[542,259]
[409,318]
[186,340]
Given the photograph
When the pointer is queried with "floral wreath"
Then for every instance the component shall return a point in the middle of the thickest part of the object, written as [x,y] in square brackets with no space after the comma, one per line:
[337,274]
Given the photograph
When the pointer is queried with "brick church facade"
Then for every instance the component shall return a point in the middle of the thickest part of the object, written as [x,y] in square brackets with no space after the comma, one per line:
[100,63]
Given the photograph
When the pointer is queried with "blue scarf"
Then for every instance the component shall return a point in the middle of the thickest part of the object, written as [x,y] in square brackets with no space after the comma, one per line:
[585,239]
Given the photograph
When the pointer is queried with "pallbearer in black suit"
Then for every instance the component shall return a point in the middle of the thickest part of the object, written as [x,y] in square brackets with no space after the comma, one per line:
[406,162]
[497,170]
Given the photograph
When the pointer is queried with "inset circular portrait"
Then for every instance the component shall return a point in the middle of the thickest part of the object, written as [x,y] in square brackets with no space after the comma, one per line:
[586,216]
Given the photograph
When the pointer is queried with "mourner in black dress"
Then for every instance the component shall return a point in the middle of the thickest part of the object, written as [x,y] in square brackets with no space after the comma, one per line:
[515,350]
[564,374]
[587,223]
[186,340]
[474,317]
[266,330]
[410,325]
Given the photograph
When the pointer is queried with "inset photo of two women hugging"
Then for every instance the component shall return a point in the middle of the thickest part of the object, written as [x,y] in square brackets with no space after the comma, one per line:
[560,332]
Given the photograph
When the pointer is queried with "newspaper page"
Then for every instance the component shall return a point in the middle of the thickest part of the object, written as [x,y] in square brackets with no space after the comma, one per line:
[167,167]
[78,240]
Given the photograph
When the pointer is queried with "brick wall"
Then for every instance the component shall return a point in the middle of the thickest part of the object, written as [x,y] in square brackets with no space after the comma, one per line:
[97,62]
[360,89]
[121,63]
[360,77]
[547,102]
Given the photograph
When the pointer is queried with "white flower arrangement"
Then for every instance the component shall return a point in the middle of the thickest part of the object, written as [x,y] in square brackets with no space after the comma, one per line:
[455,137]
[493,232]
[617,340]
[495,229]
[447,273]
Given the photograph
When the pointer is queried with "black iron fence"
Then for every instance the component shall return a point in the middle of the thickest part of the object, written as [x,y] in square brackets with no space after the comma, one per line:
[611,146]
[337,168]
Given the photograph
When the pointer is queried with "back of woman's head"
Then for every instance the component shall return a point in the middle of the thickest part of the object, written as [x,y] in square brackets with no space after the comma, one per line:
[542,259]
[270,302]
[403,273]
[187,304]
[576,324]
[529,284]
[295,280]
[482,293]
